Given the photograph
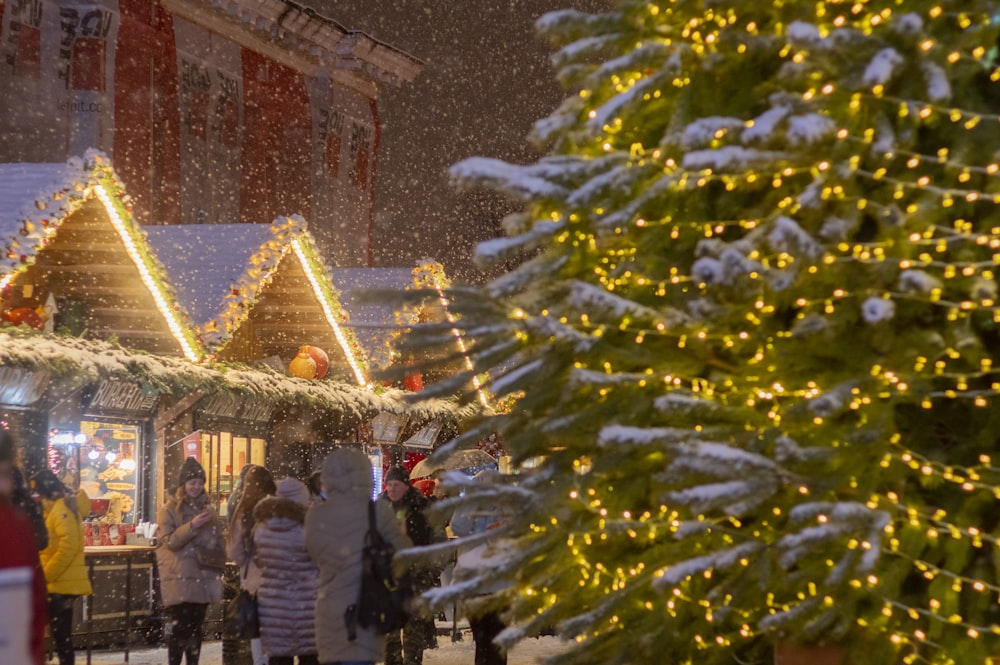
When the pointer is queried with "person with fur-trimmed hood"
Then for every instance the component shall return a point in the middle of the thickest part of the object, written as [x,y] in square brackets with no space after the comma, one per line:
[190,556]
[335,537]
[286,597]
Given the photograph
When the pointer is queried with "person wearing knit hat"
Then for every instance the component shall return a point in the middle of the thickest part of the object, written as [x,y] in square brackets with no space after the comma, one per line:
[293,489]
[22,573]
[190,470]
[286,597]
[398,473]
[190,557]
[63,563]
[407,646]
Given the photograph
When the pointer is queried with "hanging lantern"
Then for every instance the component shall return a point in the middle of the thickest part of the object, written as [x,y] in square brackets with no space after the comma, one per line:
[302,365]
[320,358]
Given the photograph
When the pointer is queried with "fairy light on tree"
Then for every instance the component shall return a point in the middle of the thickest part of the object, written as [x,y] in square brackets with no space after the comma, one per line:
[755,340]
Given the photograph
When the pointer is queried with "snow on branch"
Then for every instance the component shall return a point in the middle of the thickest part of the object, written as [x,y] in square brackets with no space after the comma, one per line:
[624,434]
[882,67]
[787,236]
[733,497]
[836,520]
[730,158]
[703,131]
[720,459]
[719,560]
[510,381]
[498,249]
[513,179]
[588,297]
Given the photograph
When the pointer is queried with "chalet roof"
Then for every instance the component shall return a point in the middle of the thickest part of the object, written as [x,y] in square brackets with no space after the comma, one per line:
[373,323]
[304,39]
[205,262]
[376,323]
[224,272]
[79,213]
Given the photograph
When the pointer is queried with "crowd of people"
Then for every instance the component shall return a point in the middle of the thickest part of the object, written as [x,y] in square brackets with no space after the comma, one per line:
[297,544]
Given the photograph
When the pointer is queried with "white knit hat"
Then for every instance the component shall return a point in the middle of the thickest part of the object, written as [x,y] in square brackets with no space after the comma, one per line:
[296,490]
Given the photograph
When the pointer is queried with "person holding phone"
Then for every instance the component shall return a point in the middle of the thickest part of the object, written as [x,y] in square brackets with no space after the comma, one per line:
[190,556]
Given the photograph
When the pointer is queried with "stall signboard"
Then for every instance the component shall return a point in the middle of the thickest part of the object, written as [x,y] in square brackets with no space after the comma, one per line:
[426,436]
[122,398]
[233,408]
[21,387]
[388,427]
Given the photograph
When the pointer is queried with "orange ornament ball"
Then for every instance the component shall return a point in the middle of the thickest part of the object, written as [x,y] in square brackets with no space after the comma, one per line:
[320,358]
[302,366]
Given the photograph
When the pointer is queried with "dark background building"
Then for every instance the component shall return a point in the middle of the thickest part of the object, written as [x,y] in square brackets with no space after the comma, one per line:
[486,80]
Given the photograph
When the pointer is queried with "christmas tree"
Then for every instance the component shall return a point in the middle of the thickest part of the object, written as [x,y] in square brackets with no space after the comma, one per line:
[751,337]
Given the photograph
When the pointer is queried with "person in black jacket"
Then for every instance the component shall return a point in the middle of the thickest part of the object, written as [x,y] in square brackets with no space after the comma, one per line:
[21,498]
[406,647]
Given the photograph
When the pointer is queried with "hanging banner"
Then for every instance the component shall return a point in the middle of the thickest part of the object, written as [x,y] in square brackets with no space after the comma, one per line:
[190,445]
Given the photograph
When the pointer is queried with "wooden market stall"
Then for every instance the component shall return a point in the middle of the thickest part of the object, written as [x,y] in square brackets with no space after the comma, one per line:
[75,262]
[261,295]
[103,382]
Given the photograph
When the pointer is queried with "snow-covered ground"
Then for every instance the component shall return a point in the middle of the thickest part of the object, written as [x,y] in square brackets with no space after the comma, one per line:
[529,652]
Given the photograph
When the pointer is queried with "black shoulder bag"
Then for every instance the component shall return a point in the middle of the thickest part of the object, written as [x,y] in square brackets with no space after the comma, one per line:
[383,604]
[241,620]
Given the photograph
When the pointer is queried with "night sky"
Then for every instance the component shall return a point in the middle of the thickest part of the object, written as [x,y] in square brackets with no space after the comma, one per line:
[487,79]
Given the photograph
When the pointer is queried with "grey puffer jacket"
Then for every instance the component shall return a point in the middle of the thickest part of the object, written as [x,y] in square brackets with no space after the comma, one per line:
[335,534]
[182,579]
[286,598]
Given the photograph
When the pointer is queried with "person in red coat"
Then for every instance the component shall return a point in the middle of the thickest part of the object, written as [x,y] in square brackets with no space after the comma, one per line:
[19,565]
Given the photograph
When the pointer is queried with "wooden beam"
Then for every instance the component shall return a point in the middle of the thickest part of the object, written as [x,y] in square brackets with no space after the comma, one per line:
[167,417]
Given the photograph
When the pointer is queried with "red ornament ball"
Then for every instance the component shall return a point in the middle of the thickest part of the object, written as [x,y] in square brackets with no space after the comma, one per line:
[320,358]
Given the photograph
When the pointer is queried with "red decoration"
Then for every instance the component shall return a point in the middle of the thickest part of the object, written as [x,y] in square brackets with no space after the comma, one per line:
[24,316]
[413,382]
[320,358]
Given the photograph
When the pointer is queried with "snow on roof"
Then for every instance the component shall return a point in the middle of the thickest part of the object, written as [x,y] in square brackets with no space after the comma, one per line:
[206,262]
[373,323]
[220,270]
[33,199]
[36,198]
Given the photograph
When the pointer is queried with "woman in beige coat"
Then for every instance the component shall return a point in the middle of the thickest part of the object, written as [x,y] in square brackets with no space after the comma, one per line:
[190,557]
[335,535]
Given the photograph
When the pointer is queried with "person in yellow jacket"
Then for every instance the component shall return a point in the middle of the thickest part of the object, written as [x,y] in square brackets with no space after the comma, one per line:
[62,561]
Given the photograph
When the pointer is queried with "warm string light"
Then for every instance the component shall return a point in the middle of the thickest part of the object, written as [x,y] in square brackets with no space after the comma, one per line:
[146,273]
[460,341]
[328,313]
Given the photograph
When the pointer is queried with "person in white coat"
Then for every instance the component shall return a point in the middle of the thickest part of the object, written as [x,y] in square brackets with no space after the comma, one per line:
[335,536]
